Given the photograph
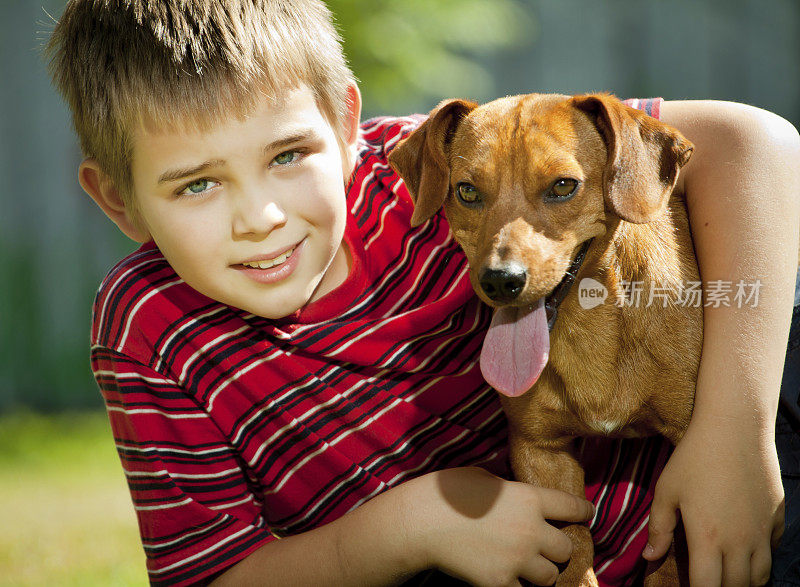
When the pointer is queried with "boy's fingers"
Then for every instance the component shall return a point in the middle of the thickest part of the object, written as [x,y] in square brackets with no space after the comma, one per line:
[540,571]
[705,567]
[760,565]
[564,507]
[705,560]
[736,570]
[556,546]
[777,532]
[663,519]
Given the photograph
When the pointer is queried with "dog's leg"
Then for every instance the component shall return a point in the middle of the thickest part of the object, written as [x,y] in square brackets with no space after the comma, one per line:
[558,469]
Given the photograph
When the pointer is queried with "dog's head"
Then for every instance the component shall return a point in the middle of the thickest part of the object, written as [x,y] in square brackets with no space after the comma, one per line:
[525,180]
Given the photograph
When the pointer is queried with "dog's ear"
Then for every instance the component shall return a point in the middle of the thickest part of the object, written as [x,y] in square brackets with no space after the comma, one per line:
[644,157]
[421,158]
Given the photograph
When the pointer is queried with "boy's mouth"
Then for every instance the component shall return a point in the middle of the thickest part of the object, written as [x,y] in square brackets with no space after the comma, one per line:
[268,263]
[275,268]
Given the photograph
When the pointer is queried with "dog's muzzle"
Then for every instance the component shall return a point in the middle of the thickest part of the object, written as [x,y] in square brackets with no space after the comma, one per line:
[503,285]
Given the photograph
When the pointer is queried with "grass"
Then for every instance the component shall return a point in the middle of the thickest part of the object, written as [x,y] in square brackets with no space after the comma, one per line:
[66,515]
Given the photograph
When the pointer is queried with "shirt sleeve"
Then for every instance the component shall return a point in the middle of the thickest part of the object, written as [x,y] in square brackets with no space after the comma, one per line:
[651,106]
[199,511]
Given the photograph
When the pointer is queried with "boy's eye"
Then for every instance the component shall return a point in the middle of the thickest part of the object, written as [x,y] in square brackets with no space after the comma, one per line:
[286,158]
[198,187]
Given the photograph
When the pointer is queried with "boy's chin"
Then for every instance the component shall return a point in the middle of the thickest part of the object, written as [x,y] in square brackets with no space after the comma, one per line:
[278,307]
[274,311]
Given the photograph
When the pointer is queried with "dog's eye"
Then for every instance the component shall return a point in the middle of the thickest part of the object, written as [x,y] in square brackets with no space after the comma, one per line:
[467,193]
[563,189]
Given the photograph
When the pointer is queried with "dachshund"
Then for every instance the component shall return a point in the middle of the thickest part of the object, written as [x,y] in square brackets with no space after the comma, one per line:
[542,191]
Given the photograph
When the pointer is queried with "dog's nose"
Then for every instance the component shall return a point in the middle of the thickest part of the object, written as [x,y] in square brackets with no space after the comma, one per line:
[503,285]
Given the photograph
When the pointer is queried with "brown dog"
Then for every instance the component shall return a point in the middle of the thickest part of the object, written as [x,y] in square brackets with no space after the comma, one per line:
[540,190]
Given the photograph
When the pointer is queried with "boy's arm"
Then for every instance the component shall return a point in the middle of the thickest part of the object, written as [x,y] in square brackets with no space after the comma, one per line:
[464,521]
[198,517]
[742,188]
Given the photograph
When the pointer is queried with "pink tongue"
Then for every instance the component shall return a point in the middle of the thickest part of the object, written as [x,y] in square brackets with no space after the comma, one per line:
[515,349]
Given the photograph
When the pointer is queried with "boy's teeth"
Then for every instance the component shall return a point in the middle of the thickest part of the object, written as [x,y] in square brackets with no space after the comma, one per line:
[266,264]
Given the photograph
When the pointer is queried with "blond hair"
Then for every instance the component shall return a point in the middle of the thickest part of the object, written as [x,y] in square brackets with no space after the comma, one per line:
[123,63]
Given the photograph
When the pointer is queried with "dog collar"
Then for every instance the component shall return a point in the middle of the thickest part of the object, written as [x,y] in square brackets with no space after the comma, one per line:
[555,298]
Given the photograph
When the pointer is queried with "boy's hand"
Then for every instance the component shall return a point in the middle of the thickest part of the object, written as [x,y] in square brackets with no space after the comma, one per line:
[489,531]
[729,492]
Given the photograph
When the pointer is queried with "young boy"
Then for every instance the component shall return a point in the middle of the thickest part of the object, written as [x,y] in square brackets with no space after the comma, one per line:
[291,371]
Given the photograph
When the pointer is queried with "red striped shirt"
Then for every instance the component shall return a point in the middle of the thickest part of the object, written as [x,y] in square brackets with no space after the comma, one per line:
[234,430]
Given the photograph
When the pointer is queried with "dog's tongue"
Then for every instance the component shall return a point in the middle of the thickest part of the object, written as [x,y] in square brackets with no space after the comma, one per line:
[515,349]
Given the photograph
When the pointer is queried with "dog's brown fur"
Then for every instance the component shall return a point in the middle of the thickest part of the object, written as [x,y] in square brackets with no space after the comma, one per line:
[614,370]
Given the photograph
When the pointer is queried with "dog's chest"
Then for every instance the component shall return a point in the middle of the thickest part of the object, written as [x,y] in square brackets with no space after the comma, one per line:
[615,372]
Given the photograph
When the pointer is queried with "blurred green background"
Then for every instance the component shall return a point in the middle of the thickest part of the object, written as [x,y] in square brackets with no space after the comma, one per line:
[65,517]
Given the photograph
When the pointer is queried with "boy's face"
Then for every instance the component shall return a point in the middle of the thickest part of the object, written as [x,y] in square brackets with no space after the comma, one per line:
[250,213]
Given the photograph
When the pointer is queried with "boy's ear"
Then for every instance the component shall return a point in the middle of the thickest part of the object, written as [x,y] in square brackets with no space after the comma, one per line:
[101,189]
[353,115]
[349,128]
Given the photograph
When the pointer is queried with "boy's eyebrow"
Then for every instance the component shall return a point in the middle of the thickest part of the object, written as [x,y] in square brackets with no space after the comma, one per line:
[180,173]
[305,134]
[308,134]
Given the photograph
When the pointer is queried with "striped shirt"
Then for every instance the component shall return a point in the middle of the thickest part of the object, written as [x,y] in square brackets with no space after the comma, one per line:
[234,430]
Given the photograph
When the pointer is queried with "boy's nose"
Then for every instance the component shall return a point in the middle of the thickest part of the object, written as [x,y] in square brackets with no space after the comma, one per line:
[257,216]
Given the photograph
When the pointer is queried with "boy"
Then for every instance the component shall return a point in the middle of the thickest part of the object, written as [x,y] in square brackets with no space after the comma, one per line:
[286,358]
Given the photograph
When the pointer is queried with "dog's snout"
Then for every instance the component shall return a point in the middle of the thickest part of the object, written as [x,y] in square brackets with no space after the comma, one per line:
[503,285]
